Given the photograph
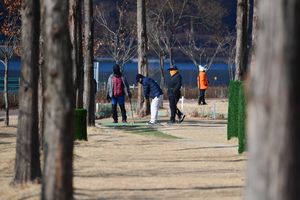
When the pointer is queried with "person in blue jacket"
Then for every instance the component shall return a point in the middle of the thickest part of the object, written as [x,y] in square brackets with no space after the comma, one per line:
[174,94]
[151,89]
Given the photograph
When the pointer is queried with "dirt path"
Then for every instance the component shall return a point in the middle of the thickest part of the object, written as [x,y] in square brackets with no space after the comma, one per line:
[116,164]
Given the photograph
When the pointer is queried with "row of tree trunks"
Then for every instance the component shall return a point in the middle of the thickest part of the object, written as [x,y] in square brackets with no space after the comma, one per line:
[27,160]
[59,102]
[142,108]
[274,92]
[88,92]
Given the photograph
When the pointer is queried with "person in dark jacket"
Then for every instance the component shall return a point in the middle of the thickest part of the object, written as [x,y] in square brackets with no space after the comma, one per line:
[117,88]
[174,94]
[151,89]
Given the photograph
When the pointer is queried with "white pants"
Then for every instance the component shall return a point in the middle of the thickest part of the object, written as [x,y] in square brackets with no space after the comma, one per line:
[154,107]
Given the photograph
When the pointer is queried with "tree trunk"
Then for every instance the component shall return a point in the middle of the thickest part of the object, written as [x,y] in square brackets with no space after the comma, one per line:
[242,30]
[162,81]
[89,95]
[255,27]
[59,107]
[170,53]
[6,120]
[143,108]
[73,29]
[76,40]
[79,57]
[27,161]
[274,92]
[41,85]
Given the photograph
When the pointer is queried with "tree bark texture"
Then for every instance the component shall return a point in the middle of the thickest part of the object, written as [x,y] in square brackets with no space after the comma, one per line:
[27,161]
[6,100]
[143,108]
[41,85]
[76,41]
[242,40]
[59,107]
[88,92]
[79,56]
[274,92]
[255,27]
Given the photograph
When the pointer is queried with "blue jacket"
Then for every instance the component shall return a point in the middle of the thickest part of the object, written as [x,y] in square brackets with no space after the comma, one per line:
[175,86]
[151,88]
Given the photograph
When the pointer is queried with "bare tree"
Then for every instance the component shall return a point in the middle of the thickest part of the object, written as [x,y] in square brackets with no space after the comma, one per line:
[88,93]
[27,161]
[196,47]
[11,30]
[76,40]
[229,51]
[143,108]
[273,123]
[59,103]
[158,42]
[242,39]
[118,38]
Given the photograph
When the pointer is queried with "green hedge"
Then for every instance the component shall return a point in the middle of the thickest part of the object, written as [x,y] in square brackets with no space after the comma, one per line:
[242,118]
[80,124]
[233,100]
[237,113]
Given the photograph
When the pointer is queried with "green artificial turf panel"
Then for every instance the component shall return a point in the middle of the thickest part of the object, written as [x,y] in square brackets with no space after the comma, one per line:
[233,106]
[147,131]
[80,129]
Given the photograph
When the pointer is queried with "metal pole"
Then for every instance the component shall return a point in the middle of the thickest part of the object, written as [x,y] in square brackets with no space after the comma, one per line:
[214,111]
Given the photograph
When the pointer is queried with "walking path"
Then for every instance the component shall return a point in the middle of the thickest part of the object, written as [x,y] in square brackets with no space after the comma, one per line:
[116,163]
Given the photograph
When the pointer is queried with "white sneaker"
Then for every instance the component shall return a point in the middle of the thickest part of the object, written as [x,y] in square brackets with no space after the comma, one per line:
[151,123]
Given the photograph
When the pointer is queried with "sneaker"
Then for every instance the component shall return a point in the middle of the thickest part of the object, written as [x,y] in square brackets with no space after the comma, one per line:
[204,103]
[181,118]
[171,122]
[124,121]
[115,121]
[151,123]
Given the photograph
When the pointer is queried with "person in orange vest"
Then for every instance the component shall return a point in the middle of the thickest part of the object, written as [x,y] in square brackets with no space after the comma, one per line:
[202,84]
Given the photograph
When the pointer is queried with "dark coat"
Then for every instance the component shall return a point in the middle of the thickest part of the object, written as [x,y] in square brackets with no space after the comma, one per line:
[151,88]
[175,86]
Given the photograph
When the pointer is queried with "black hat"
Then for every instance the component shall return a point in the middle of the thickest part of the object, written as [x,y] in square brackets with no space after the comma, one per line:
[138,76]
[173,67]
[116,66]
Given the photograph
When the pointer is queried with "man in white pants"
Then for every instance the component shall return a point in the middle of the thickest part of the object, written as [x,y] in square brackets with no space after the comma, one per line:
[151,89]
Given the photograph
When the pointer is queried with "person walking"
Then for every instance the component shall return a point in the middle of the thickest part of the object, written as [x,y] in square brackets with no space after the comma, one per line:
[174,94]
[151,89]
[117,88]
[202,83]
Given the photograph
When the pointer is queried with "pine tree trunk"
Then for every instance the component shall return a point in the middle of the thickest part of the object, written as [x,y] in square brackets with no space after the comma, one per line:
[242,40]
[273,119]
[89,95]
[72,29]
[27,161]
[6,100]
[143,108]
[59,107]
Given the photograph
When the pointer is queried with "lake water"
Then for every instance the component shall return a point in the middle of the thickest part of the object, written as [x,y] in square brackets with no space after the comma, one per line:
[217,75]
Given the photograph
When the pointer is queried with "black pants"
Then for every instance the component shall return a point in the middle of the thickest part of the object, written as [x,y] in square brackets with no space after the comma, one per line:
[173,107]
[201,97]
[115,113]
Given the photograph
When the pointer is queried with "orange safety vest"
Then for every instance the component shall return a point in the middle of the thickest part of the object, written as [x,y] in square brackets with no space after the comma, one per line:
[202,81]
